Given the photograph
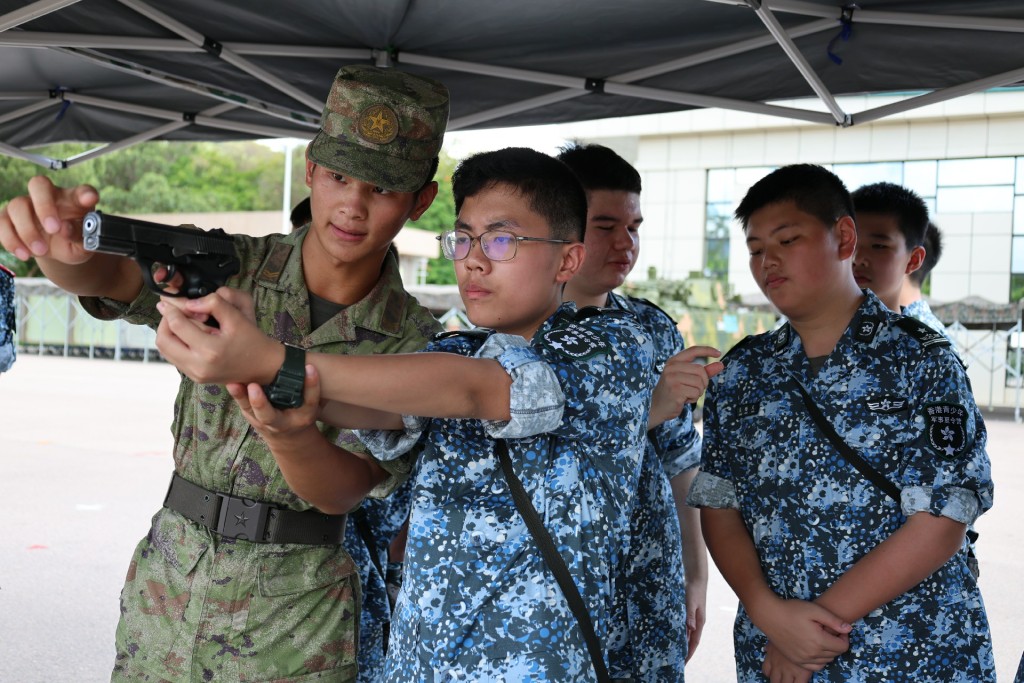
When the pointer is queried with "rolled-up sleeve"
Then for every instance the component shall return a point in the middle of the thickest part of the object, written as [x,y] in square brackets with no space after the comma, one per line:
[536,401]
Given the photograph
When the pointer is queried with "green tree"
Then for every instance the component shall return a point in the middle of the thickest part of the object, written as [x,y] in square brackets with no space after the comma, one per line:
[440,217]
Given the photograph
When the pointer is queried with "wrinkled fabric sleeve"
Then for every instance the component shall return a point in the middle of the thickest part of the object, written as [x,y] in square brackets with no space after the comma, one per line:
[536,400]
[960,486]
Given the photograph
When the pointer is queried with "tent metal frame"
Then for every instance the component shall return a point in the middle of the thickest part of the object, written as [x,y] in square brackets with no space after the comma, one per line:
[302,119]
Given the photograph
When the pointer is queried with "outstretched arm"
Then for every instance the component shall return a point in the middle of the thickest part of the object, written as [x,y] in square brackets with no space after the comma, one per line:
[47,224]
[424,384]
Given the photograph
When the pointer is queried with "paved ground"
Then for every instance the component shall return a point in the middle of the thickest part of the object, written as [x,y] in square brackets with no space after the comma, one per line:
[85,460]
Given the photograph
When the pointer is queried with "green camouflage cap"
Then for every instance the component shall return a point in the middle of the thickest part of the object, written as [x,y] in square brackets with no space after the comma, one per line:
[381,126]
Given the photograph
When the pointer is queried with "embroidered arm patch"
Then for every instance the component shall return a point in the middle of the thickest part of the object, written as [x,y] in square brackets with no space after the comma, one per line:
[947,428]
[575,342]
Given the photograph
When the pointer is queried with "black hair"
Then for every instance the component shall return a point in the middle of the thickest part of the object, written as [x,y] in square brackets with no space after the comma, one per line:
[301,214]
[814,189]
[932,244]
[909,210]
[434,163]
[600,168]
[550,187]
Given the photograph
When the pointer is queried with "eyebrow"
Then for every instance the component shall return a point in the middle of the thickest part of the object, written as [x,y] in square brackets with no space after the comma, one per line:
[505,224]
[751,238]
[603,217]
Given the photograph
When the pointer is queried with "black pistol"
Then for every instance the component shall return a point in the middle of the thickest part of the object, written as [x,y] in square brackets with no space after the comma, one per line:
[204,259]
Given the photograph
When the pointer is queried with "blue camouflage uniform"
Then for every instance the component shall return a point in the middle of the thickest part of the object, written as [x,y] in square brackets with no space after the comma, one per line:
[7,316]
[478,602]
[368,536]
[920,310]
[648,636]
[894,391]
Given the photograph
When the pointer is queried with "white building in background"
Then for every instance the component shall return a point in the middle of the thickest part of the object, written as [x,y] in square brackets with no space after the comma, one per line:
[965,157]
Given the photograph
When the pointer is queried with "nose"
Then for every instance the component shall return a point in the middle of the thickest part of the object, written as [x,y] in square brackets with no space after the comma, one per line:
[352,201]
[475,259]
[624,239]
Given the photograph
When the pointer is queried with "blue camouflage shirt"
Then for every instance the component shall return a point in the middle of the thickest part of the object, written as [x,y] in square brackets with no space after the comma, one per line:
[920,310]
[7,315]
[648,639]
[478,602]
[894,391]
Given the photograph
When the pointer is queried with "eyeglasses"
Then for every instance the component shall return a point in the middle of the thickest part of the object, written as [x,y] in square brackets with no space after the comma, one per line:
[497,245]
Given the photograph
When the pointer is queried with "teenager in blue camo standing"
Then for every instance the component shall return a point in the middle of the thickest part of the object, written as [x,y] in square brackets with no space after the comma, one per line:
[567,390]
[660,609]
[838,582]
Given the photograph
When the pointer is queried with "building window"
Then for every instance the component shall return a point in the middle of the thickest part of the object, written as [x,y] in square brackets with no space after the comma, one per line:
[968,186]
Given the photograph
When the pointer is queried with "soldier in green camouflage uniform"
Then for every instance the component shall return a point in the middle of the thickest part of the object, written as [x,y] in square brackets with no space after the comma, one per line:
[199,605]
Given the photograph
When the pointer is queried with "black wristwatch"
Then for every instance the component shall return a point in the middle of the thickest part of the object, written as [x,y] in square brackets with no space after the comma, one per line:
[286,389]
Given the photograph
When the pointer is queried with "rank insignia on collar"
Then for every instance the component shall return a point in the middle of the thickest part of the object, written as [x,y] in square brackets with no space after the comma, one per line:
[947,428]
[782,338]
[575,342]
[886,405]
[867,327]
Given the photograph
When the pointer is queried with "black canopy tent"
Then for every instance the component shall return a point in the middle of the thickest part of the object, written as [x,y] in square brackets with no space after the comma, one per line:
[124,71]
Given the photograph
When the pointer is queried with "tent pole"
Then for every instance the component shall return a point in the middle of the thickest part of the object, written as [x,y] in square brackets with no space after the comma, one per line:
[217,50]
[33,11]
[801,64]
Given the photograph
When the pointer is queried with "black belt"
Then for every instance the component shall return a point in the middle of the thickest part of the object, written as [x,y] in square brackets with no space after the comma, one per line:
[252,520]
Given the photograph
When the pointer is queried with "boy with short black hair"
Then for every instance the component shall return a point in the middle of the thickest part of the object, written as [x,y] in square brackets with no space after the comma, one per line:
[660,609]
[836,579]
[566,390]
[891,222]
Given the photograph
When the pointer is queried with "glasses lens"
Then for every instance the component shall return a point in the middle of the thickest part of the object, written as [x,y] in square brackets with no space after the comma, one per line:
[455,244]
[498,245]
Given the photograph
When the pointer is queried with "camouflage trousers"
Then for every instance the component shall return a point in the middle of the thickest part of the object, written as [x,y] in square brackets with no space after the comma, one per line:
[198,607]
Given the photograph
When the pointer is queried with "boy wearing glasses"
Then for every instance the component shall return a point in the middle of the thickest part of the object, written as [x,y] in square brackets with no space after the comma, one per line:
[567,390]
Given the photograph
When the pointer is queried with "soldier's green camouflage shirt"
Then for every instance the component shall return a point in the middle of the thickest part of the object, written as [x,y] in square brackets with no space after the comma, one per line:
[200,607]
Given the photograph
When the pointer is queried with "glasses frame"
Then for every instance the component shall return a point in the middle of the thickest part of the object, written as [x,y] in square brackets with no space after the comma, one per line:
[472,240]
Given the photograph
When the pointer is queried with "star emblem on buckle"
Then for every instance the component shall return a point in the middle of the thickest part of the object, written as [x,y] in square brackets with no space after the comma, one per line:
[241,520]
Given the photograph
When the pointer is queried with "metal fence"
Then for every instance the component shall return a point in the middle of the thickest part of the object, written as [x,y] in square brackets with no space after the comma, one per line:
[52,322]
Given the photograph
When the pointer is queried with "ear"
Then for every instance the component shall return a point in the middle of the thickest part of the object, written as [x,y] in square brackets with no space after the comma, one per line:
[916,259]
[310,167]
[572,258]
[424,198]
[846,236]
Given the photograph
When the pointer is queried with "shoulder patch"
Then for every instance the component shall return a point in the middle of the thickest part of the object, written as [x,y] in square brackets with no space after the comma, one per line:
[648,302]
[575,342]
[274,265]
[947,428]
[928,337]
[480,333]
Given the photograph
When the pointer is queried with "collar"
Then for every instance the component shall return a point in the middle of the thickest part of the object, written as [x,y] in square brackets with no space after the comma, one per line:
[383,310]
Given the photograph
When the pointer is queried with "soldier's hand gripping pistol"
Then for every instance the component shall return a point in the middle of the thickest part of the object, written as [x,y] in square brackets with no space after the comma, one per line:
[204,260]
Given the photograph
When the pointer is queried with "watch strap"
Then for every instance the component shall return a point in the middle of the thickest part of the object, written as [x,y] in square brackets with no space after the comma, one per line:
[286,389]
